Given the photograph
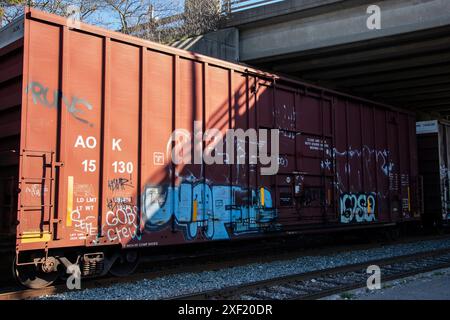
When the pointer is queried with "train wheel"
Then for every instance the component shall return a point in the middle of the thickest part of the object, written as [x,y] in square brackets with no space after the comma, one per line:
[126,264]
[33,276]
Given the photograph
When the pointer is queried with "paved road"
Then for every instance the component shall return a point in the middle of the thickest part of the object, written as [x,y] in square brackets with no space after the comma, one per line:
[428,286]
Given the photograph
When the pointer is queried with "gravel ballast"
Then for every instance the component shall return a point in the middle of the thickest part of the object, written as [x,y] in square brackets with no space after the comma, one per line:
[186,283]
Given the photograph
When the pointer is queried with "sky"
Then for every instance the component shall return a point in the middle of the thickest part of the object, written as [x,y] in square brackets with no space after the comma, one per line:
[101,18]
[109,20]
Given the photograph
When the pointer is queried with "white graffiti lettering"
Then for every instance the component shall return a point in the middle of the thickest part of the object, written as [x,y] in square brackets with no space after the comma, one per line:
[36,190]
[121,223]
[85,226]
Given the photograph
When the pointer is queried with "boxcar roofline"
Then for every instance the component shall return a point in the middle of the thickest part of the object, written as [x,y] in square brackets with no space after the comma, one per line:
[34,14]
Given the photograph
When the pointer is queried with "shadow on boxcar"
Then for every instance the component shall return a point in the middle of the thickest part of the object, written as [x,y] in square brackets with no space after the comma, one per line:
[204,205]
[188,203]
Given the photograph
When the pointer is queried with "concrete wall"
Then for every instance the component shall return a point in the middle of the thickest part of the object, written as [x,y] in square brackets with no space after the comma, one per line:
[279,10]
[339,27]
[294,26]
[11,32]
[222,44]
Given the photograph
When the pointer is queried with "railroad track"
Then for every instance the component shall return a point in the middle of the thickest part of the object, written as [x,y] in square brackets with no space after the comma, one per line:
[191,262]
[319,284]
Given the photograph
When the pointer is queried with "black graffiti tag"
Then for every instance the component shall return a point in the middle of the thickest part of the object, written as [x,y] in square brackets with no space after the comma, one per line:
[119,203]
[40,95]
[119,184]
[311,195]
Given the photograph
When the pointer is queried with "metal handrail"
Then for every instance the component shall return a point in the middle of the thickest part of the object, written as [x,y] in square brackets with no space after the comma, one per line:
[230,6]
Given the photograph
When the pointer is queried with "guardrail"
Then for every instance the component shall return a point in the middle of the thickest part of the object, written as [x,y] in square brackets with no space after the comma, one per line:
[225,9]
[230,6]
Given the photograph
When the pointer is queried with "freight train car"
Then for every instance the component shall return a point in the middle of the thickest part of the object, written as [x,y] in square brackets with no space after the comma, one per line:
[434,155]
[92,121]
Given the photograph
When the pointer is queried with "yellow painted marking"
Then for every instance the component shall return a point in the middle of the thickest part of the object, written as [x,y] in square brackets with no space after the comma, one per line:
[369,208]
[194,213]
[261,191]
[69,201]
[409,200]
[31,237]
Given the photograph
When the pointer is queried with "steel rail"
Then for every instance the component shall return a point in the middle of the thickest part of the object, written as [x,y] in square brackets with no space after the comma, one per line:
[322,283]
[167,265]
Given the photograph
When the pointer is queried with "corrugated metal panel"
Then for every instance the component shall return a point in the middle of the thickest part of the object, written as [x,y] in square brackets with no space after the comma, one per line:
[99,112]
[11,57]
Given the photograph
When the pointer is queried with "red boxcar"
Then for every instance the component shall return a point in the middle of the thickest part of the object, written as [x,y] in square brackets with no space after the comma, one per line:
[87,117]
[434,157]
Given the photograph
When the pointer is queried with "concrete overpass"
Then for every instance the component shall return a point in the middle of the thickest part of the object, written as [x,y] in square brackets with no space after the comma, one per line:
[405,63]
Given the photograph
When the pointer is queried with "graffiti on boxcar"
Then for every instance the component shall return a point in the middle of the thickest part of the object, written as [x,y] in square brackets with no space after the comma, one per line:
[122,223]
[119,202]
[381,157]
[445,191]
[371,156]
[326,164]
[119,184]
[36,190]
[444,172]
[83,226]
[311,196]
[357,207]
[211,211]
[41,95]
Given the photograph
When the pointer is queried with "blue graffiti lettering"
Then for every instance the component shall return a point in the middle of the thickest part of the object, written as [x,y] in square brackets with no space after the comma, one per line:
[215,211]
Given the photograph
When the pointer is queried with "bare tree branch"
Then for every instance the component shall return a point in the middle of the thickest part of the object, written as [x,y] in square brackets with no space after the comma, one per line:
[198,17]
[14,8]
[158,20]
